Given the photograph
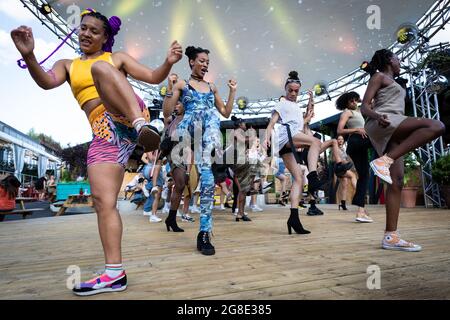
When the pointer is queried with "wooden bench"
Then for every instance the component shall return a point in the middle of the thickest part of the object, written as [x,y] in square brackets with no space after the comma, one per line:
[23,212]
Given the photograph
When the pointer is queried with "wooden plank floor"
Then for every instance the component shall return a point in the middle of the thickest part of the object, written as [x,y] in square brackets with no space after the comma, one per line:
[255,260]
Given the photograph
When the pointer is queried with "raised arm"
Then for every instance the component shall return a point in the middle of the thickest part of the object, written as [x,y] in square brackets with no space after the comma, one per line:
[271,125]
[173,94]
[24,42]
[141,72]
[225,110]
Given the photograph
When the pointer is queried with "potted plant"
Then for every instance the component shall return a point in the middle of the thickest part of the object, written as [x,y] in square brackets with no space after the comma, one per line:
[440,171]
[411,180]
[437,60]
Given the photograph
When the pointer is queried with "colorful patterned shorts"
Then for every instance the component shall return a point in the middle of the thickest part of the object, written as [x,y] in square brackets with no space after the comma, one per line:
[114,137]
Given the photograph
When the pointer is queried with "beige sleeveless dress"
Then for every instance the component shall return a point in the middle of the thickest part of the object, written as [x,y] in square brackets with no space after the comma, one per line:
[390,101]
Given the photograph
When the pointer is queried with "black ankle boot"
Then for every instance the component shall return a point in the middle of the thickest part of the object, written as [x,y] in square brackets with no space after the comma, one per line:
[171,222]
[342,205]
[314,183]
[204,245]
[294,223]
[302,204]
[313,210]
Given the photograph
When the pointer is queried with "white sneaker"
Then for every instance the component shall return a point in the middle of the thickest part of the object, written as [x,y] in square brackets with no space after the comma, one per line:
[187,218]
[266,186]
[179,213]
[222,207]
[392,241]
[145,213]
[235,212]
[154,218]
[194,209]
[255,208]
[364,219]
[381,166]
[166,209]
[146,193]
[164,193]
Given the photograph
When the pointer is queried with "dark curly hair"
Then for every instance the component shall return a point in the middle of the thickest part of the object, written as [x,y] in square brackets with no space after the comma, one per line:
[380,61]
[11,185]
[192,52]
[343,100]
[293,78]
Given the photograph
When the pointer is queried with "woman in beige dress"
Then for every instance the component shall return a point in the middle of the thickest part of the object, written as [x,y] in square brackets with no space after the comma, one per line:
[393,135]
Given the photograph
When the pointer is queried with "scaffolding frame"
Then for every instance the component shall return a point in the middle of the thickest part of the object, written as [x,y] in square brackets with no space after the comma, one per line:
[425,103]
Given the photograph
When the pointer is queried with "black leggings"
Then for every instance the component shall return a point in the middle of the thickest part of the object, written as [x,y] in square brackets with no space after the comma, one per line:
[357,149]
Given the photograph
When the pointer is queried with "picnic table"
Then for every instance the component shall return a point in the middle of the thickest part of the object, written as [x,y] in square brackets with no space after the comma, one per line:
[76,201]
[22,209]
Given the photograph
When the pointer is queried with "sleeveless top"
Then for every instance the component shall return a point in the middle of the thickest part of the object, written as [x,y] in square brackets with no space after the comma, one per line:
[193,100]
[356,121]
[81,81]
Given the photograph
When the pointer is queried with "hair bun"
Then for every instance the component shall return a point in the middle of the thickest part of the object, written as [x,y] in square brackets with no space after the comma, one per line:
[189,51]
[115,24]
[293,75]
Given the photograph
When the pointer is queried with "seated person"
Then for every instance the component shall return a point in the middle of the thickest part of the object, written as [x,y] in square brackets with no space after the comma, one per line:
[9,188]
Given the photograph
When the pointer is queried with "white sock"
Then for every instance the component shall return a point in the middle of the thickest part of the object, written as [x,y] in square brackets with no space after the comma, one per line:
[138,124]
[113,270]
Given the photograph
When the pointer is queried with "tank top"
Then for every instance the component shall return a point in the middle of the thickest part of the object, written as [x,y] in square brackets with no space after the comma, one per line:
[356,121]
[81,81]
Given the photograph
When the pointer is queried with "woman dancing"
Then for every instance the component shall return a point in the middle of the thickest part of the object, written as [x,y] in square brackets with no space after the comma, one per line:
[393,135]
[118,119]
[289,138]
[202,104]
[351,123]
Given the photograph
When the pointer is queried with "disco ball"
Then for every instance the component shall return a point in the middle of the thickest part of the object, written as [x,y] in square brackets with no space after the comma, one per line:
[162,91]
[242,103]
[158,124]
[407,33]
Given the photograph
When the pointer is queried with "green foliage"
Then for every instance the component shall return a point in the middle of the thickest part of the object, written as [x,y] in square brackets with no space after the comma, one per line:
[45,140]
[412,173]
[438,60]
[440,170]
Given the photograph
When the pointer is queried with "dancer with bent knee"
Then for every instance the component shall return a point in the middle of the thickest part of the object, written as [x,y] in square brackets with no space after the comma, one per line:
[119,120]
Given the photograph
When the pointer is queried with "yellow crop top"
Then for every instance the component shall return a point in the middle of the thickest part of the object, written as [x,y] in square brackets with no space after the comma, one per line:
[81,80]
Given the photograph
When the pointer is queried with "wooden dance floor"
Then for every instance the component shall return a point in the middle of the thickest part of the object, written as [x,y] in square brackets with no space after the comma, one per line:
[254,260]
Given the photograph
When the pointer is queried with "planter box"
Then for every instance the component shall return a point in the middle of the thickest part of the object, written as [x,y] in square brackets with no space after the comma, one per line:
[65,189]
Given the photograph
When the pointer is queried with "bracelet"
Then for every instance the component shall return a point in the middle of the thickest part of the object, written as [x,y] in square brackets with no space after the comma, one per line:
[169,95]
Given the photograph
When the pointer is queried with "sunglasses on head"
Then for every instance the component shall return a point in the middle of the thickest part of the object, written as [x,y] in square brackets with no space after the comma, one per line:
[293,81]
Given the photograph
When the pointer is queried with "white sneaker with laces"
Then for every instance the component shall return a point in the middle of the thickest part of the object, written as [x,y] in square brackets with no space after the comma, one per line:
[392,241]
[364,219]
[381,166]
[154,218]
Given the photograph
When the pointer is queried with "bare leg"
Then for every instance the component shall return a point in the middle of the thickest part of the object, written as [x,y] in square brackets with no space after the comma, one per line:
[393,192]
[302,140]
[115,91]
[413,133]
[157,196]
[179,176]
[343,189]
[106,180]
[294,169]
[333,144]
